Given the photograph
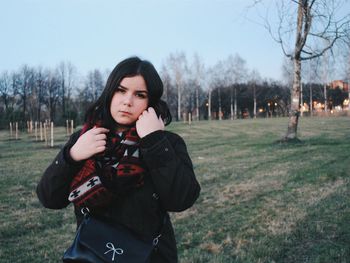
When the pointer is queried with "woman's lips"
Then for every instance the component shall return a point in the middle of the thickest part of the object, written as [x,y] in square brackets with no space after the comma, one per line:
[125,112]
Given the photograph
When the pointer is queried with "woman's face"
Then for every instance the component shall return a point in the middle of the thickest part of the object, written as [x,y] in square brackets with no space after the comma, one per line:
[129,100]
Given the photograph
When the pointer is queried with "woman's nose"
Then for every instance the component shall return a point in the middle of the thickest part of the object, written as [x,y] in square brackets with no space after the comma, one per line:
[127,99]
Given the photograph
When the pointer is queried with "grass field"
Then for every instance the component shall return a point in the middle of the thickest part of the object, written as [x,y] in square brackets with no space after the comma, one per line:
[261,201]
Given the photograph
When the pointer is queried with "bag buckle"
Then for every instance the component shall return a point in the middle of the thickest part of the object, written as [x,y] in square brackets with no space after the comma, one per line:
[156,240]
[85,211]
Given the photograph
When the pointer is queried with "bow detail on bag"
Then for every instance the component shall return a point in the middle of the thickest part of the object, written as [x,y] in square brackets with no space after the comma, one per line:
[111,247]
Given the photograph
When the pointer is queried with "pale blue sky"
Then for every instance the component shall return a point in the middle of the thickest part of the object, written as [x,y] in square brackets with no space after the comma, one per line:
[99,33]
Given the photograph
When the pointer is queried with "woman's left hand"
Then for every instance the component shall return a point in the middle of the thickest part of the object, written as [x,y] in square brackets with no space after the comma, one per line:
[148,122]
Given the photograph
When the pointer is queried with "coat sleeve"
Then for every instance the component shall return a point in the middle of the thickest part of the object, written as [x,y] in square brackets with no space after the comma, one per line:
[53,187]
[166,157]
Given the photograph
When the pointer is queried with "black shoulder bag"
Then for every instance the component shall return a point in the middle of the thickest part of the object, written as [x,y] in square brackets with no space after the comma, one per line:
[97,241]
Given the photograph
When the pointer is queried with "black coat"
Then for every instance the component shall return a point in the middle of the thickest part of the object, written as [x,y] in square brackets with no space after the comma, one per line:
[169,175]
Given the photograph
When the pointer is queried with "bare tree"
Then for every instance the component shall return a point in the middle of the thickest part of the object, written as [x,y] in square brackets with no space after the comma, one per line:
[5,89]
[318,21]
[216,82]
[253,80]
[41,86]
[198,71]
[312,74]
[53,93]
[22,84]
[94,84]
[67,74]
[166,83]
[177,63]
[169,94]
[235,72]
[347,69]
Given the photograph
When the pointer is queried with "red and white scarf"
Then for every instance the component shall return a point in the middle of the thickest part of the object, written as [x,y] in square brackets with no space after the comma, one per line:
[114,172]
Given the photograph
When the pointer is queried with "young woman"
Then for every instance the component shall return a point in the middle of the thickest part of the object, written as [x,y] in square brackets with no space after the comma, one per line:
[122,165]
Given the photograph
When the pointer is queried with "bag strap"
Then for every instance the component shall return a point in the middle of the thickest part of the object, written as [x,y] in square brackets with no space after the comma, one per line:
[165,218]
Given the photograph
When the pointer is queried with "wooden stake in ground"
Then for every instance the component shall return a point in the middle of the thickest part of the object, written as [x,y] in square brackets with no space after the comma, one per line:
[36,131]
[16,130]
[189,118]
[72,126]
[45,134]
[11,131]
[67,127]
[51,134]
[41,131]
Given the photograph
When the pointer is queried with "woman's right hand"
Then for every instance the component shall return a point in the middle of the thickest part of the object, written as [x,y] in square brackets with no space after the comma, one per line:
[90,143]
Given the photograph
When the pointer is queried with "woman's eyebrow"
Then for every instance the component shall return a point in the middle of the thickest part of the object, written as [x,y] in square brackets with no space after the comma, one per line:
[123,87]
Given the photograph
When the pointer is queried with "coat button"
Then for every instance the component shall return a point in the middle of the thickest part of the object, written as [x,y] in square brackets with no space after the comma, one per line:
[56,162]
[166,149]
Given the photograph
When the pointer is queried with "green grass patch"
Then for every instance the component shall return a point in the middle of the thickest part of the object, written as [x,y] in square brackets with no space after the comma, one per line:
[261,201]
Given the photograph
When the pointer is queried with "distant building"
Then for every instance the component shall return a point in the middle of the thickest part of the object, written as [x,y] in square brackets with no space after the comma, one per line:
[344,86]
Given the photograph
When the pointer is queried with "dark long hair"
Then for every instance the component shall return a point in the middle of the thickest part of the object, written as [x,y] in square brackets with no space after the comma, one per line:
[99,112]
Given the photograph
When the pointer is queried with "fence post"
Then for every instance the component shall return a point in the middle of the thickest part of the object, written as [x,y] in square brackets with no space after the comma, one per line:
[11,132]
[16,130]
[36,130]
[45,134]
[41,131]
[51,134]
[72,126]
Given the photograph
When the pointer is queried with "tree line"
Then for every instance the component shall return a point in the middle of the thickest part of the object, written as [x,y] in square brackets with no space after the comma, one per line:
[227,90]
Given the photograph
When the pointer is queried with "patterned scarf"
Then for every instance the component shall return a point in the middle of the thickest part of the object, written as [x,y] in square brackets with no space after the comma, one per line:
[114,172]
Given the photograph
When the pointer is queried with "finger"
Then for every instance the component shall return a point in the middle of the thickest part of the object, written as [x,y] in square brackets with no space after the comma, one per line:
[99,130]
[145,112]
[100,149]
[101,136]
[100,143]
[151,110]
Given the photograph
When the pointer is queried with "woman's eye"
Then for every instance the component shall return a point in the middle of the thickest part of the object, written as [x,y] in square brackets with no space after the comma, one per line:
[141,95]
[120,90]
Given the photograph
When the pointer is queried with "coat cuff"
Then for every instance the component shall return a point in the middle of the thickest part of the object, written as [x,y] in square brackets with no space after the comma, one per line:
[156,150]
[68,158]
[151,139]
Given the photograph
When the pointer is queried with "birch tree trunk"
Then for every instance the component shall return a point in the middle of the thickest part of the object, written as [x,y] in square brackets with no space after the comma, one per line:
[179,101]
[311,105]
[301,100]
[209,105]
[295,106]
[231,103]
[235,111]
[254,94]
[295,92]
[219,98]
[325,97]
[197,102]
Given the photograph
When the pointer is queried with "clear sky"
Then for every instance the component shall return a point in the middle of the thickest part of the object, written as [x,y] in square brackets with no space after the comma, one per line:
[99,33]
